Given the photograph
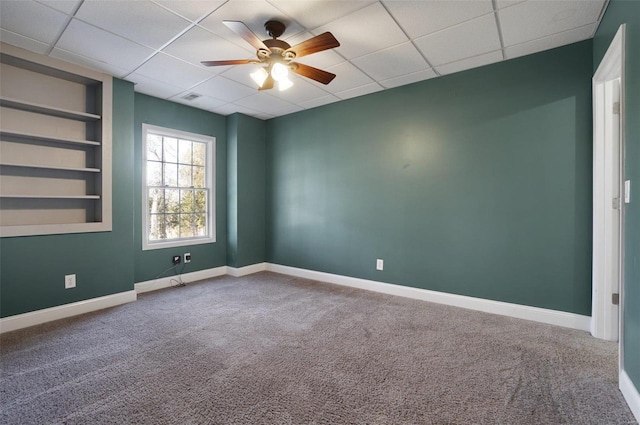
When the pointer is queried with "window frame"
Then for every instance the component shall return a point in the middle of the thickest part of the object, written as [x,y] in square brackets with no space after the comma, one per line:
[210,184]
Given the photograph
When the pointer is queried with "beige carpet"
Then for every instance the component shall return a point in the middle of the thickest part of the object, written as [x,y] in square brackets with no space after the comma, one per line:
[270,349]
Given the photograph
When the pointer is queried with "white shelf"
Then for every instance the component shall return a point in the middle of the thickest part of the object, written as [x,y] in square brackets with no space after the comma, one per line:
[41,138]
[47,110]
[49,167]
[51,196]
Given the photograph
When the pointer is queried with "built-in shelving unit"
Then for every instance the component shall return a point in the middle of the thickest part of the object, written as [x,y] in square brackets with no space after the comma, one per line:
[55,146]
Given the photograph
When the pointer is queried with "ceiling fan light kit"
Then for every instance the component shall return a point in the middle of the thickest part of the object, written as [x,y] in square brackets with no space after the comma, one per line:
[278,56]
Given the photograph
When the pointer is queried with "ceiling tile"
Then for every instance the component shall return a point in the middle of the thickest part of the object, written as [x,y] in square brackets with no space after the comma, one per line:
[533,19]
[359,91]
[230,108]
[557,40]
[268,104]
[314,13]
[31,19]
[107,68]
[23,42]
[141,21]
[153,87]
[469,63]
[198,45]
[409,78]
[347,77]
[364,31]
[501,4]
[202,102]
[263,116]
[192,10]
[254,13]
[462,41]
[420,18]
[65,6]
[301,91]
[170,70]
[392,62]
[224,89]
[86,40]
[325,100]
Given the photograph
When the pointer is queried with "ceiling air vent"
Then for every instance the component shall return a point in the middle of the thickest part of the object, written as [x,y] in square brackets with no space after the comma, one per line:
[191,96]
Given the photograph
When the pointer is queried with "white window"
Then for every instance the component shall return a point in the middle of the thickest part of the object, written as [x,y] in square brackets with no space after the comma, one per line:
[178,196]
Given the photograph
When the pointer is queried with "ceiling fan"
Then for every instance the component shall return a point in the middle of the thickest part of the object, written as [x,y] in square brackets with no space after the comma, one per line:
[279,56]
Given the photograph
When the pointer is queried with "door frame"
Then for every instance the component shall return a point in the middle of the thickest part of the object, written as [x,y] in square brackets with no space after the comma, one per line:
[608,252]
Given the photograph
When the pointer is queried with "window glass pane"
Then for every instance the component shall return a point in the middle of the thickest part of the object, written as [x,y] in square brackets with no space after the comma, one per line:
[171,175]
[156,201]
[184,175]
[157,227]
[200,225]
[154,173]
[198,176]
[186,225]
[172,226]
[200,201]
[177,186]
[186,201]
[199,153]
[172,200]
[154,147]
[170,149]
[184,150]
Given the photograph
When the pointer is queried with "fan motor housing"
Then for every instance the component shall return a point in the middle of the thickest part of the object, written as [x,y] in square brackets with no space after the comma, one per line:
[274,28]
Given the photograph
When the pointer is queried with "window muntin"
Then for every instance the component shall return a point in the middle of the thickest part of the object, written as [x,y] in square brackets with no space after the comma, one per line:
[177,188]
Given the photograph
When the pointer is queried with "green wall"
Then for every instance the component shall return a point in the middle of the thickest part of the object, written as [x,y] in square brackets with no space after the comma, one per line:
[150,110]
[477,183]
[619,12]
[246,190]
[232,189]
[33,268]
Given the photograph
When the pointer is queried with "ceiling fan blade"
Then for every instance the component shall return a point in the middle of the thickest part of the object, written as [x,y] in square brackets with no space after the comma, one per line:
[228,62]
[268,83]
[243,31]
[319,75]
[315,44]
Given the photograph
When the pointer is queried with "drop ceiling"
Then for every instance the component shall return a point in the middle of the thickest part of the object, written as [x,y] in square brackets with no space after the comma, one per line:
[158,44]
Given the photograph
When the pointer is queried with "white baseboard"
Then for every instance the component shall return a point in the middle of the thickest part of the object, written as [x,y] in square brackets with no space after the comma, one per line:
[38,317]
[630,393]
[246,270]
[536,314]
[552,317]
[165,282]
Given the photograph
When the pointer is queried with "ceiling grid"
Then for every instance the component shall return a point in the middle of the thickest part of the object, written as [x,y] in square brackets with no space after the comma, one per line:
[159,44]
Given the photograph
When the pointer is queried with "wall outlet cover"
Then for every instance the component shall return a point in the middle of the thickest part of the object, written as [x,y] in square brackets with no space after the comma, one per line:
[187,257]
[70,281]
[379,264]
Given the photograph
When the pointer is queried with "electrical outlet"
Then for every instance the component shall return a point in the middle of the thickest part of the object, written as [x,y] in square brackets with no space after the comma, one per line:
[70,281]
[187,257]
[176,259]
[379,264]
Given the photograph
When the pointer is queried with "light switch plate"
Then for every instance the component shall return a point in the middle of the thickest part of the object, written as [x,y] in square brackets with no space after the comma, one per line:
[627,191]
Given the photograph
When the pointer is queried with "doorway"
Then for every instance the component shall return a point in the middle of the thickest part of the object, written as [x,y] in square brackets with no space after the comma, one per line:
[608,171]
